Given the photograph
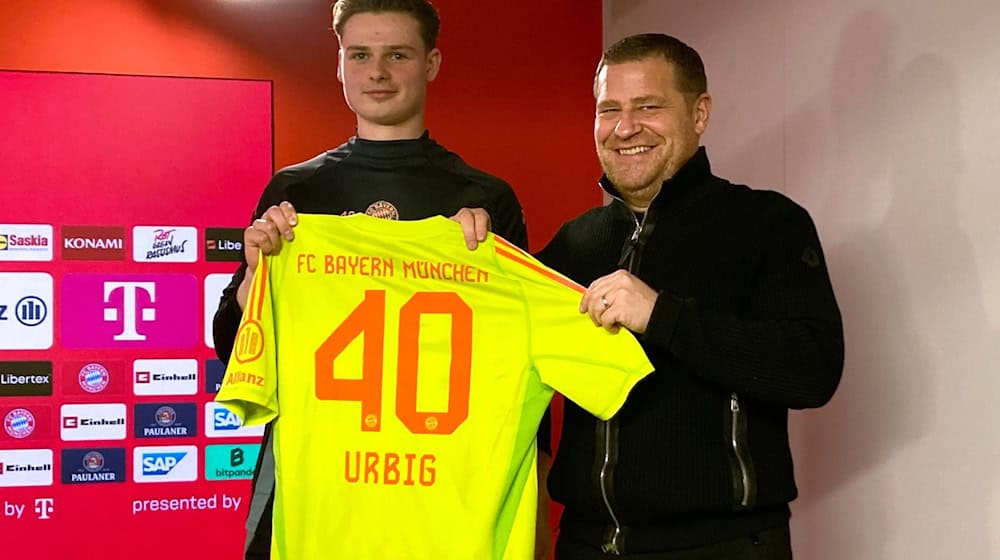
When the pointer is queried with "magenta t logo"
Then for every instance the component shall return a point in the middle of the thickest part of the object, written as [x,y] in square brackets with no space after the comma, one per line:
[129,307]
[129,311]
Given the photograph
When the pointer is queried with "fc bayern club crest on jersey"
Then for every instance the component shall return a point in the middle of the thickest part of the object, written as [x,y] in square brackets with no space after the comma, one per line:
[382,209]
[93,378]
[19,423]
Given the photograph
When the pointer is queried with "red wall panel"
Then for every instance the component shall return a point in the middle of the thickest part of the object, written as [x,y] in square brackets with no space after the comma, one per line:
[513,97]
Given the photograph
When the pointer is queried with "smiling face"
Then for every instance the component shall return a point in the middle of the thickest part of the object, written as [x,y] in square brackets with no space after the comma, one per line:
[385,67]
[645,128]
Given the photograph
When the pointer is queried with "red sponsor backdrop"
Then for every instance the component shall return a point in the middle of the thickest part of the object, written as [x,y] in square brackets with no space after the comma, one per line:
[513,98]
[155,161]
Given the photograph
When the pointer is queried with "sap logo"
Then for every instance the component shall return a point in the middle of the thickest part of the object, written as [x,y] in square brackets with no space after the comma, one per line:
[225,420]
[160,464]
[220,422]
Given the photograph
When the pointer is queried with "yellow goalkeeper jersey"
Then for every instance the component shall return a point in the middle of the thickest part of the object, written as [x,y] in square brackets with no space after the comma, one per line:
[407,377]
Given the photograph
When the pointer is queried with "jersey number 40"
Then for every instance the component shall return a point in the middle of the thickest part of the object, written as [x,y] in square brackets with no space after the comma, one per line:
[368,319]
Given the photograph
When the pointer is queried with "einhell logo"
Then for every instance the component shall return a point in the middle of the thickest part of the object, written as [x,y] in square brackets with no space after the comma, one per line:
[82,422]
[93,243]
[165,377]
[25,467]
[223,244]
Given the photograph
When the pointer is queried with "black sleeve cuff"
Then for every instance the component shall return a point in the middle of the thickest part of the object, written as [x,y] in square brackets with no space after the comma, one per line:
[663,321]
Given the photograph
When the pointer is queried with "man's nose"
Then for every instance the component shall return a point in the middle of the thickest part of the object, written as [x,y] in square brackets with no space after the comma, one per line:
[627,126]
[379,70]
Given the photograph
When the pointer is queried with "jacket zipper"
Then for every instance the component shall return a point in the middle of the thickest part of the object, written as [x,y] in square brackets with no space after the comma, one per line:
[613,545]
[744,490]
[615,540]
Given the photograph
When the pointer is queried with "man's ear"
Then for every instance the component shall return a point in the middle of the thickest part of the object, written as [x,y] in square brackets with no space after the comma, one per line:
[702,110]
[433,64]
[340,65]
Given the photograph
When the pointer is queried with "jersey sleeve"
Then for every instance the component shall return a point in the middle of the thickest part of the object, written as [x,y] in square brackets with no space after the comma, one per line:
[249,388]
[587,364]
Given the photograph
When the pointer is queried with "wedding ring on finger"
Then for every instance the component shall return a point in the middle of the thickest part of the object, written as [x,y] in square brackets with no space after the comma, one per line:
[604,302]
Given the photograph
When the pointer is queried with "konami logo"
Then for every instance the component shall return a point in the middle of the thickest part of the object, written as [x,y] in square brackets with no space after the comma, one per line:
[93,243]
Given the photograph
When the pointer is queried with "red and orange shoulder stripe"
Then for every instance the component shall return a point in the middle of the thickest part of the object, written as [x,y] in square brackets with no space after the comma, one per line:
[515,254]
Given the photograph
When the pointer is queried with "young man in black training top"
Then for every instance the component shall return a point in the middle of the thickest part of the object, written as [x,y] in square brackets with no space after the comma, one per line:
[390,169]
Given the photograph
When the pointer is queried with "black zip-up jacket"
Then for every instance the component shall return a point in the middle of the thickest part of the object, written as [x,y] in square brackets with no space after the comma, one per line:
[745,327]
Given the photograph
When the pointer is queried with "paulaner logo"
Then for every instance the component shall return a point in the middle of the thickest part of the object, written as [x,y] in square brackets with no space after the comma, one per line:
[158,420]
[91,466]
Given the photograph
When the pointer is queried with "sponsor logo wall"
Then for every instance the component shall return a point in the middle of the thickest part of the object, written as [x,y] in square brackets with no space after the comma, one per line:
[107,295]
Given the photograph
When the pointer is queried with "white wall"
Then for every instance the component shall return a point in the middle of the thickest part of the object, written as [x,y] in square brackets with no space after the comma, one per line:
[883,119]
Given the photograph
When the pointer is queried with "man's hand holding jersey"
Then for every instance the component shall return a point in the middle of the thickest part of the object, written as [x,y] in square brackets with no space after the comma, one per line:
[619,299]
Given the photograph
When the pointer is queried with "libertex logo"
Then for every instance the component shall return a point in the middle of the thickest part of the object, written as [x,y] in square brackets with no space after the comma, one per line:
[130,311]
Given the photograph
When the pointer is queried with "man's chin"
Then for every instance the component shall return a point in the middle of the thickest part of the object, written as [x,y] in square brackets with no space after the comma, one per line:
[626,183]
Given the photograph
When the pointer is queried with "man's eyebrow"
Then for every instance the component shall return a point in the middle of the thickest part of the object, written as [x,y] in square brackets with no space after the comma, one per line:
[386,47]
[648,99]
